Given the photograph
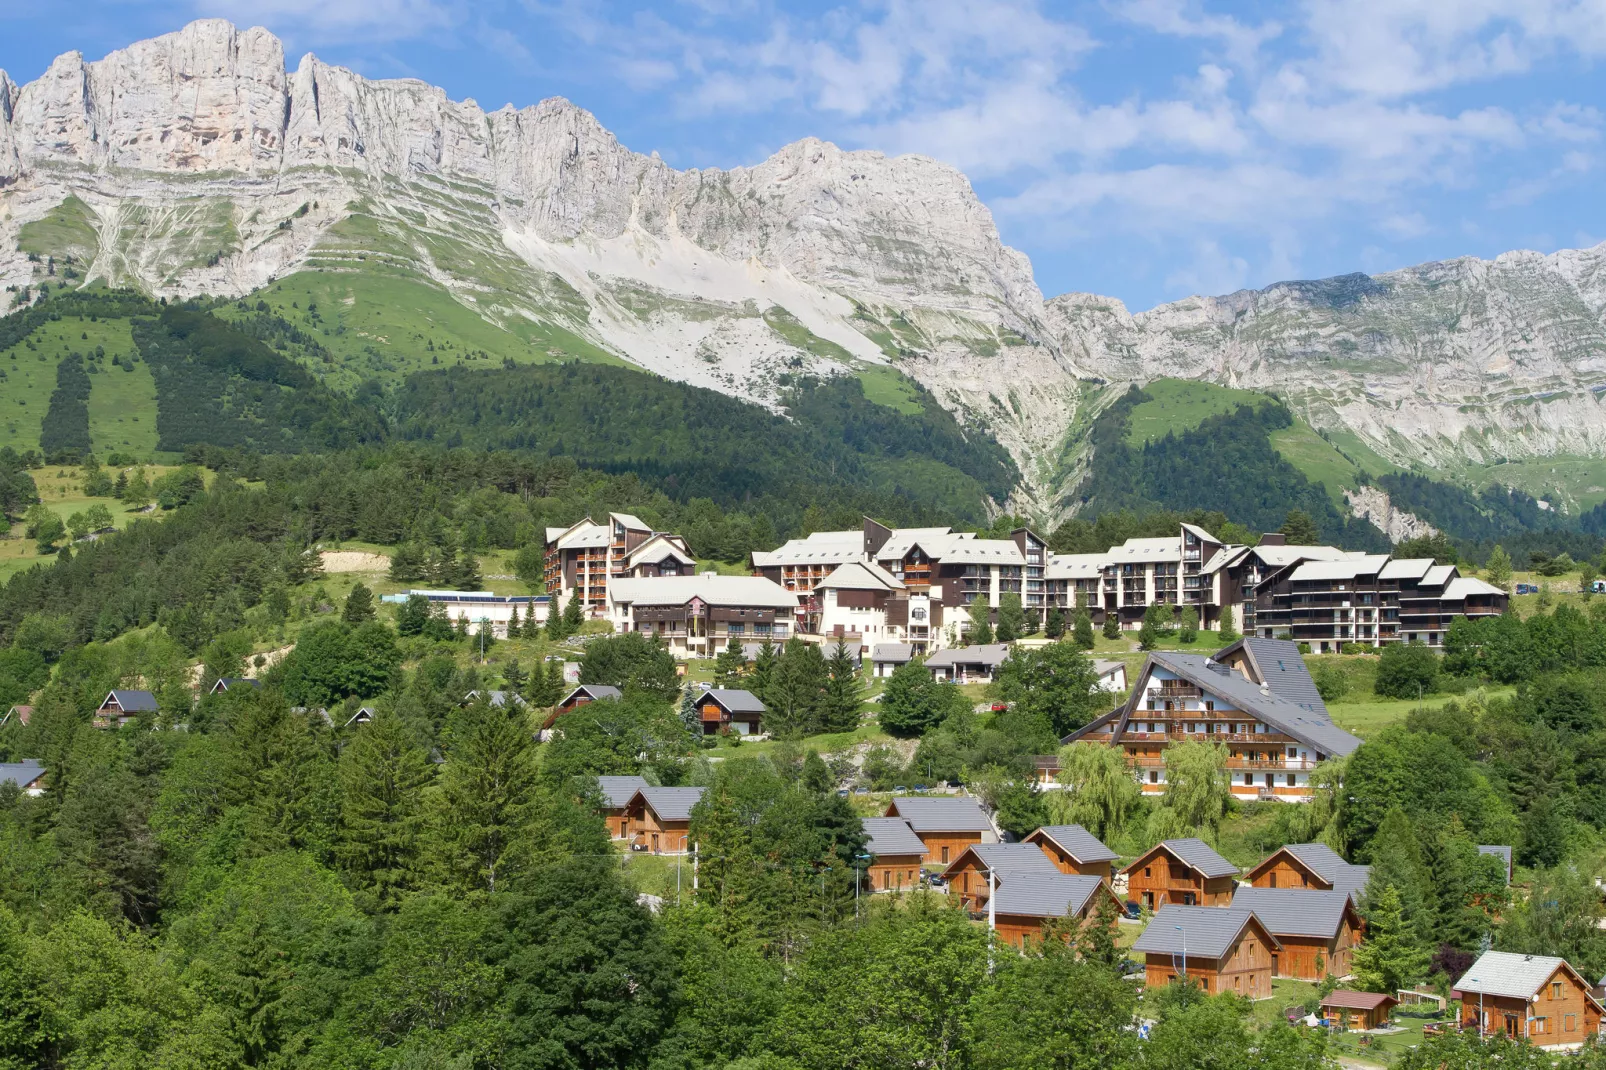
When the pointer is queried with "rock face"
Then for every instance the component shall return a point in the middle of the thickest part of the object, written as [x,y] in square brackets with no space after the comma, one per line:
[197,163]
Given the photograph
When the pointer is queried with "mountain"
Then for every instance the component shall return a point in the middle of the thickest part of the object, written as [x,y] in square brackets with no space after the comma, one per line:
[399,229]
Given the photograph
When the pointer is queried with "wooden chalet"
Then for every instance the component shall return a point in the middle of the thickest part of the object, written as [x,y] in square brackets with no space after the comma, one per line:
[968,876]
[224,684]
[1219,950]
[28,775]
[1027,903]
[496,699]
[1315,866]
[1073,849]
[579,697]
[364,715]
[724,710]
[1537,998]
[895,854]
[1358,1010]
[120,707]
[1185,872]
[658,820]
[946,824]
[1264,709]
[617,791]
[1318,930]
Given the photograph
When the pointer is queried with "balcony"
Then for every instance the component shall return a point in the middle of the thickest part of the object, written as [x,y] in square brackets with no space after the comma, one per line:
[1176,689]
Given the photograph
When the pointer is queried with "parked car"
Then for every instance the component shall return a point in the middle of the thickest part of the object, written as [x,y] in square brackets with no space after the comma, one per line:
[1527,588]
[1598,587]
[1133,911]
[1000,707]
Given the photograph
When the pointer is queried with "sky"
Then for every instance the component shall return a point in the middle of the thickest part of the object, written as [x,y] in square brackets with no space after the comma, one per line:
[1144,149]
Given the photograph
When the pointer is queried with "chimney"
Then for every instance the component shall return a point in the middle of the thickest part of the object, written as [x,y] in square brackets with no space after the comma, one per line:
[1273,538]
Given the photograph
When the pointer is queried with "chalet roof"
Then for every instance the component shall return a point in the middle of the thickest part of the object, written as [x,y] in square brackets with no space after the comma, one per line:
[1340,570]
[630,522]
[897,653]
[498,699]
[364,715]
[982,552]
[818,548]
[21,773]
[990,654]
[1468,586]
[1208,932]
[1296,911]
[733,699]
[657,548]
[1166,548]
[1327,864]
[1045,895]
[1075,566]
[1351,1000]
[713,590]
[902,540]
[618,790]
[1438,576]
[594,692]
[228,683]
[1223,557]
[891,836]
[1199,533]
[132,701]
[1279,664]
[23,714]
[1505,973]
[584,536]
[1195,854]
[940,813]
[1282,555]
[1105,666]
[1406,568]
[1007,859]
[861,576]
[1499,851]
[1311,727]
[670,804]
[1077,842]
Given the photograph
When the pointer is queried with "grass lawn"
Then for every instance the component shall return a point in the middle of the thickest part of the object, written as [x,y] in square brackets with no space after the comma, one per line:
[829,743]
[1367,718]
[1180,404]
[122,405]
[887,386]
[61,491]
[1316,457]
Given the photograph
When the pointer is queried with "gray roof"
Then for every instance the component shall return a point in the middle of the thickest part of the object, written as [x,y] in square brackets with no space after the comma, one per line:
[1208,932]
[1311,727]
[671,804]
[1045,895]
[899,652]
[1327,864]
[1295,911]
[133,701]
[1283,668]
[595,691]
[1504,973]
[618,790]
[942,813]
[224,683]
[891,836]
[497,699]
[21,773]
[1500,852]
[1198,855]
[733,699]
[1010,858]
[1077,842]
[990,654]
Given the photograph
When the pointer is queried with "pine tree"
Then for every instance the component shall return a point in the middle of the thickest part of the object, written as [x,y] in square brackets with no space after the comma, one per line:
[382,779]
[1011,618]
[763,671]
[1299,529]
[468,573]
[981,629]
[488,797]
[1396,856]
[554,621]
[1188,630]
[407,564]
[839,711]
[1498,569]
[1082,632]
[1149,633]
[1112,624]
[515,628]
[514,677]
[1054,623]
[574,614]
[359,607]
[1390,957]
[796,689]
[730,665]
[1227,632]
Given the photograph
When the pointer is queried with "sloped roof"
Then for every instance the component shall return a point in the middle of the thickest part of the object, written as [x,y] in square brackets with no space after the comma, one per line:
[1166,548]
[497,699]
[1311,727]
[670,804]
[660,546]
[982,552]
[586,535]
[993,654]
[1223,557]
[1438,576]
[618,790]
[1076,841]
[1467,587]
[891,836]
[1200,532]
[1327,864]
[1340,570]
[1007,859]
[1283,555]
[902,540]
[21,773]
[1045,895]
[630,522]
[1208,932]
[1296,911]
[133,701]
[1406,568]
[594,691]
[1105,666]
[1281,667]
[1194,853]
[861,576]
[226,683]
[714,590]
[733,699]
[899,652]
[1498,851]
[1075,566]
[940,813]
[1505,973]
[1351,1000]
[819,548]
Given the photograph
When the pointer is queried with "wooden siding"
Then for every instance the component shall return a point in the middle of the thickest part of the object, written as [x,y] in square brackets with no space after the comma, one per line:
[1245,970]
[1558,1021]
[644,828]
[945,847]
[894,873]
[1285,872]
[1165,880]
[1104,871]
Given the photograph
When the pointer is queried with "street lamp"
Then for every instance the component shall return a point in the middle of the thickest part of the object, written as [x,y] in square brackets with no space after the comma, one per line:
[1480,1006]
[1184,933]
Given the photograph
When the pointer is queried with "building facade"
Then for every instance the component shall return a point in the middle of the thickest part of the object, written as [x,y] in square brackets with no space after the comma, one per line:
[586,557]
[698,615]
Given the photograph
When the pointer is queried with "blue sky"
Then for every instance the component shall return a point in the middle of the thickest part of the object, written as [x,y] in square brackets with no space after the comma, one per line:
[1146,149]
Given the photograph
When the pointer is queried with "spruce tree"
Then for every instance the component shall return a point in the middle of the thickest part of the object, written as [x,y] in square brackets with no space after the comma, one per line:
[468,573]
[489,798]
[514,676]
[763,671]
[1188,630]
[359,607]
[1011,618]
[1390,958]
[1396,856]
[515,627]
[1082,632]
[981,629]
[1498,568]
[839,711]
[1227,632]
[574,614]
[382,779]
[1112,624]
[554,622]
[1054,623]
[796,689]
[730,665]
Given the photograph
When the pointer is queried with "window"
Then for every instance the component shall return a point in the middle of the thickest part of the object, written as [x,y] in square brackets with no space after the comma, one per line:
[945,854]
[1569,1023]
[1291,781]
[1541,1025]
[1147,871]
[1154,776]
[917,614]
[1555,990]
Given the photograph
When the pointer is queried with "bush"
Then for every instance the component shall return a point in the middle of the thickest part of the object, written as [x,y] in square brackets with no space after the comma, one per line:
[1406,670]
[1331,682]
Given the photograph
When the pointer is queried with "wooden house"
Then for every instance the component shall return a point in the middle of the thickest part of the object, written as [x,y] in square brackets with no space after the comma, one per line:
[496,699]
[1186,872]
[658,820]
[969,875]
[700,615]
[895,854]
[617,791]
[1073,849]
[1276,729]
[1318,930]
[20,714]
[364,715]
[946,824]
[1220,950]
[724,709]
[1358,1010]
[224,684]
[579,697]
[120,707]
[1315,866]
[1027,902]
[28,775]
[1537,998]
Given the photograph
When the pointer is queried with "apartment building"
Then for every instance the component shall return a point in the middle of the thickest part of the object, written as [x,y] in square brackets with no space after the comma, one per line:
[697,615]
[586,556]
[1264,708]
